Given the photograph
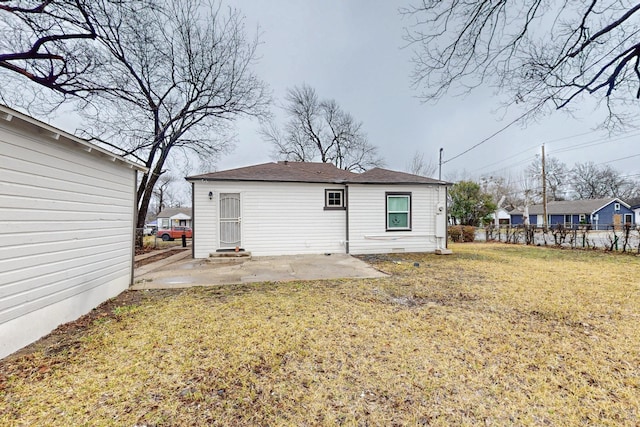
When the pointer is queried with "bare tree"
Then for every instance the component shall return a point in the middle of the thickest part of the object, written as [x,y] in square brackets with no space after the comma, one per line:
[183,73]
[540,53]
[162,193]
[591,181]
[39,40]
[319,130]
[503,188]
[170,77]
[420,166]
[556,173]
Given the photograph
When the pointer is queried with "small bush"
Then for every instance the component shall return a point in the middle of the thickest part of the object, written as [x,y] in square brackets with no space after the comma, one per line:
[462,233]
[469,233]
[455,233]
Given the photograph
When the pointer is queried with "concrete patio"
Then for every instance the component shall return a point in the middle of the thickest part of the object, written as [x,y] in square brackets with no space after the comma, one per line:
[180,270]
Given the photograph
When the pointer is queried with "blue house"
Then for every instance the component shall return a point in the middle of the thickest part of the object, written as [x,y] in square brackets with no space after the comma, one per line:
[600,214]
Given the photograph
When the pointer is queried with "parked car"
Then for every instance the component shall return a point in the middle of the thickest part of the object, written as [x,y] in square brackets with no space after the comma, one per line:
[167,234]
[149,230]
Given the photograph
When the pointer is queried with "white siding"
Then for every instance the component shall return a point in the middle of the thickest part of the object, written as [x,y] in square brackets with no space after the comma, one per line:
[67,230]
[277,218]
[367,221]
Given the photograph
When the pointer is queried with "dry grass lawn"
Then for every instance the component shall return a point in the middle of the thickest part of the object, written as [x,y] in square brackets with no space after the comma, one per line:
[492,335]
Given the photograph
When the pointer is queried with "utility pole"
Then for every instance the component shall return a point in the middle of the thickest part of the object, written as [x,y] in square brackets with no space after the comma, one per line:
[544,192]
[440,166]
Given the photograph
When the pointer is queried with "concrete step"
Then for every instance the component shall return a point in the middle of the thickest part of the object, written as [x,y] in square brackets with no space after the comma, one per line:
[228,257]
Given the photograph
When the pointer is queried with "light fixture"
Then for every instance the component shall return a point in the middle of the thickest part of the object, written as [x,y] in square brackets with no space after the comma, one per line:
[210,195]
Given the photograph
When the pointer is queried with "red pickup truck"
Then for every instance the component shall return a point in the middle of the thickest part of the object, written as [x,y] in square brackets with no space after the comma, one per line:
[167,234]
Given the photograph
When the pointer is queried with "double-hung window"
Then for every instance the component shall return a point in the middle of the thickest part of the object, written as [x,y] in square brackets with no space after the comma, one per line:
[398,211]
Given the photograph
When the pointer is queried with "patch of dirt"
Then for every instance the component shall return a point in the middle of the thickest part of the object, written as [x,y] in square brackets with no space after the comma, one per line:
[144,250]
[157,257]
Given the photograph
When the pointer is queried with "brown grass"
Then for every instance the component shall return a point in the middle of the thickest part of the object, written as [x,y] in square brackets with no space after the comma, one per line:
[492,335]
[157,243]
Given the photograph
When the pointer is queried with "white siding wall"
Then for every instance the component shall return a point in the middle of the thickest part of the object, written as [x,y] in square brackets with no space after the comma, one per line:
[367,222]
[67,230]
[277,218]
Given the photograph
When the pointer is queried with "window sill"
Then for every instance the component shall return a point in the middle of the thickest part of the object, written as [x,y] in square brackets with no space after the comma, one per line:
[335,208]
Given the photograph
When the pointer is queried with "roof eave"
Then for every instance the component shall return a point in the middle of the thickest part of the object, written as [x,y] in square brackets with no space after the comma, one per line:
[335,181]
[13,117]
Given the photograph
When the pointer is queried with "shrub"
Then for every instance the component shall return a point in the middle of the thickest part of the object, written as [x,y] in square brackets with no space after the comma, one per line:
[469,233]
[462,233]
[455,233]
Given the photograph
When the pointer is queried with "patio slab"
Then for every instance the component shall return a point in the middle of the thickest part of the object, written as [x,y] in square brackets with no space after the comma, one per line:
[181,273]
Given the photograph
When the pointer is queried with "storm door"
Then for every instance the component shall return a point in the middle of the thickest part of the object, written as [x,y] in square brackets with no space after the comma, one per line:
[230,221]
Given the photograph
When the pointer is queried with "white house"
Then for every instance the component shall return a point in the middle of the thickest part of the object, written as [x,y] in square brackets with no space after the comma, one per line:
[67,212]
[309,208]
[635,207]
[174,217]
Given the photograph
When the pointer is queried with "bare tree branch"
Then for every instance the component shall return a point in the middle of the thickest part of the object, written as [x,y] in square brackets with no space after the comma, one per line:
[542,54]
[319,130]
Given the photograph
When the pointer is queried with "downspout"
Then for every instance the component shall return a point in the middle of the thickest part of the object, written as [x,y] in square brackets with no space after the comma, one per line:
[193,220]
[346,203]
[134,222]
[446,217]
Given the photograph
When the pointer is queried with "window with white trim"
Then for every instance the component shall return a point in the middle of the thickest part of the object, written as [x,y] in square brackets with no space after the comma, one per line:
[398,211]
[334,199]
[616,206]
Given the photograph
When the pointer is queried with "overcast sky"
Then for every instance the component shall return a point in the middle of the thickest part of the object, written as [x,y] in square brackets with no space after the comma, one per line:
[352,51]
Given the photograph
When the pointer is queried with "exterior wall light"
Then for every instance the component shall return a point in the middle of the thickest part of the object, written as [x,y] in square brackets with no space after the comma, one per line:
[210,195]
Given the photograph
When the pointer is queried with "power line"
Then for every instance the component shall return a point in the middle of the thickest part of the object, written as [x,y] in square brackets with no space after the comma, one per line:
[597,141]
[621,158]
[507,126]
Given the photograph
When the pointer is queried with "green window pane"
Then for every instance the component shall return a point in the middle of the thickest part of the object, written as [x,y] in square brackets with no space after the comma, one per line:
[398,220]
[395,204]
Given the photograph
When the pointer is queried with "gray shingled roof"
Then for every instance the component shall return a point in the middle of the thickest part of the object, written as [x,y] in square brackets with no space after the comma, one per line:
[169,212]
[386,176]
[312,172]
[567,207]
[634,202]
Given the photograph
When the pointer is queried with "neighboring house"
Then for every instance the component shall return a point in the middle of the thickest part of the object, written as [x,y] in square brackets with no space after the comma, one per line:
[67,209]
[634,204]
[309,208]
[518,217]
[503,217]
[174,217]
[599,214]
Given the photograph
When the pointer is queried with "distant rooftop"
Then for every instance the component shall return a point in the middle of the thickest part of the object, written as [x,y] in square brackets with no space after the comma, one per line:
[566,207]
[169,212]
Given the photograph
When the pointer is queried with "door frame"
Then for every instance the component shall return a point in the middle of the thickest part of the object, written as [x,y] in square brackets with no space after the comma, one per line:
[220,221]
